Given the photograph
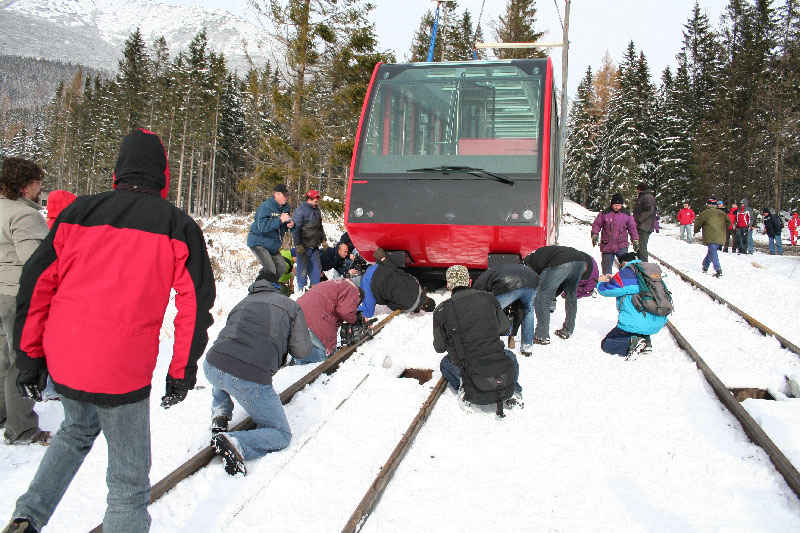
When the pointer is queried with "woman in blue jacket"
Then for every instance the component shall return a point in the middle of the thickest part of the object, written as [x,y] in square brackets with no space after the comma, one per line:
[631,336]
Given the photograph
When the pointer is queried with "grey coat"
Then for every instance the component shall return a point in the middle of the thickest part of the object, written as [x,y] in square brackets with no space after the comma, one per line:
[644,212]
[260,331]
[22,228]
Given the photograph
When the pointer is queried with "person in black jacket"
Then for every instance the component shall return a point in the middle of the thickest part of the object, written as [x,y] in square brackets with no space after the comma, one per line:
[261,330]
[468,327]
[773,225]
[385,284]
[513,283]
[644,213]
[559,268]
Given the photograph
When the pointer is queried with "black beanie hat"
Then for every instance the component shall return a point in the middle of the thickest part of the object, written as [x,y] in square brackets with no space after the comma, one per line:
[630,256]
[267,275]
[712,201]
[429,304]
[643,186]
[617,198]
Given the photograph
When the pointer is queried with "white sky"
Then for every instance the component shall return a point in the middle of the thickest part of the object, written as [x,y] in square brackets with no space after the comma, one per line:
[655,26]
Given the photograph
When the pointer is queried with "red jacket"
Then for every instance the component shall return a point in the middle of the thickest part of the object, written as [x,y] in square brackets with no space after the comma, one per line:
[92,297]
[732,217]
[57,201]
[685,216]
[326,305]
[743,219]
[793,223]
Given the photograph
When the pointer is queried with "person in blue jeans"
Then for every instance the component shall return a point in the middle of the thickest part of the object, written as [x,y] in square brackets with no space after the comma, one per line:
[510,283]
[773,226]
[560,268]
[308,235]
[254,344]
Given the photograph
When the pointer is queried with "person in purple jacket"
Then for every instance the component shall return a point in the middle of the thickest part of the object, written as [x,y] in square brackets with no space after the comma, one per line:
[611,229]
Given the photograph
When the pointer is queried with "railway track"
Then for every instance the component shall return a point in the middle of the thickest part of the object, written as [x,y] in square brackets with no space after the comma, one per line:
[204,456]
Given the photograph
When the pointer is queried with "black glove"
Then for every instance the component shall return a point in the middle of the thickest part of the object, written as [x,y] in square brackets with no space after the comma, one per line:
[31,383]
[595,239]
[176,391]
[360,320]
[300,250]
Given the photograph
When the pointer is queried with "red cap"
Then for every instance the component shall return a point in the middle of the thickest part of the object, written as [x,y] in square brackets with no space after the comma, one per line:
[312,194]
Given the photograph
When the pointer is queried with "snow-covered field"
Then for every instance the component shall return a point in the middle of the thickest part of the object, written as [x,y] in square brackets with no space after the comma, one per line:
[602,444]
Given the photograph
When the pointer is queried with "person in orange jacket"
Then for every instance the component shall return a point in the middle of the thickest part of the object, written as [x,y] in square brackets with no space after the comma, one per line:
[794,225]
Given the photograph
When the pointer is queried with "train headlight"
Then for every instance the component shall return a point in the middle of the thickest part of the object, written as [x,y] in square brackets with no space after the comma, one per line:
[358,212]
[527,214]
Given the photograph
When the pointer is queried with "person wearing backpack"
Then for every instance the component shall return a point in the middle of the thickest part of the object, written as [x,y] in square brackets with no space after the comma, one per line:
[772,227]
[631,336]
[712,222]
[468,326]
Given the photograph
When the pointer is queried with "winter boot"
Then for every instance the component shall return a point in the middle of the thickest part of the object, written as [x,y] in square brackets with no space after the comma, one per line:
[705,270]
[515,401]
[648,345]
[563,333]
[462,402]
[20,525]
[718,274]
[219,424]
[224,446]
[526,350]
[537,340]
[636,347]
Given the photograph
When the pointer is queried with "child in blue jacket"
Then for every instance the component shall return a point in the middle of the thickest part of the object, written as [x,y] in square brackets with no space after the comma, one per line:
[631,336]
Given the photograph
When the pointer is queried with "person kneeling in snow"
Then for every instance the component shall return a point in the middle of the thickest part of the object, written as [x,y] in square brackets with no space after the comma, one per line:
[249,350]
[385,284]
[468,327]
[631,336]
[326,307]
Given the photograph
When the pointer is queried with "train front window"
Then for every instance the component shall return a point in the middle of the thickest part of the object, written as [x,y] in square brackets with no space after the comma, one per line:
[477,115]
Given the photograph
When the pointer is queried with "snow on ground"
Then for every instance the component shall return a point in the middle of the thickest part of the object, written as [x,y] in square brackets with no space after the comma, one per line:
[601,445]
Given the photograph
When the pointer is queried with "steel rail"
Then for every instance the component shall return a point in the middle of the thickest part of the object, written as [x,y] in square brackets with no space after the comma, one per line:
[784,342]
[204,456]
[375,491]
[750,426]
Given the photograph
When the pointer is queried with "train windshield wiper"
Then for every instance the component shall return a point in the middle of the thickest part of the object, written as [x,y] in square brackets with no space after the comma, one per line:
[479,172]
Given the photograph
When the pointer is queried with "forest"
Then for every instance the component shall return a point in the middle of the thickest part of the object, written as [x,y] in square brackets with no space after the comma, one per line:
[725,122]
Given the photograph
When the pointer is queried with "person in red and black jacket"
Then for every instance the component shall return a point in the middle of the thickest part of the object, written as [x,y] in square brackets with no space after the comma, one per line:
[91,302]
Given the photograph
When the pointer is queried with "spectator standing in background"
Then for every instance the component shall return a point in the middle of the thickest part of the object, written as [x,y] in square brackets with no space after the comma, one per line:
[611,229]
[794,225]
[308,235]
[686,219]
[271,221]
[644,213]
[730,232]
[773,226]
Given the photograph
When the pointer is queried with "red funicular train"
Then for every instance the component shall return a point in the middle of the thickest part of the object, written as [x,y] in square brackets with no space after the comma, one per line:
[456,163]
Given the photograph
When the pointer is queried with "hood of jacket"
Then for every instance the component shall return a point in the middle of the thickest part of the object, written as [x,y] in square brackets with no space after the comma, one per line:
[262,285]
[142,164]
[57,201]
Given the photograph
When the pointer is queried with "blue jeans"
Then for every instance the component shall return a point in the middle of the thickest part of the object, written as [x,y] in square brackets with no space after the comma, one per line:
[741,235]
[260,401]
[308,264]
[318,351]
[712,257]
[617,341]
[687,229]
[525,296]
[608,259]
[568,274]
[775,241]
[127,432]
[452,372]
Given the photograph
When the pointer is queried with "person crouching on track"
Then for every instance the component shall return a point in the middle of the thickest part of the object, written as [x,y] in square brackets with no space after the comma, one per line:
[326,307]
[468,327]
[385,284]
[631,335]
[249,350]
[713,223]
[510,283]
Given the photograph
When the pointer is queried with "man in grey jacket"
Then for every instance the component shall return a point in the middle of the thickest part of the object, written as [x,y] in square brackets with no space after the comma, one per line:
[22,228]
[261,330]
[644,213]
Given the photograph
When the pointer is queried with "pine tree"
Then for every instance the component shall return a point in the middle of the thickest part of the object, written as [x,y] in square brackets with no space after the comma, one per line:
[133,82]
[517,25]
[581,149]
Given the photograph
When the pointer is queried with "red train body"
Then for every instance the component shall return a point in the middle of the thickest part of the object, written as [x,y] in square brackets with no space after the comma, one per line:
[456,163]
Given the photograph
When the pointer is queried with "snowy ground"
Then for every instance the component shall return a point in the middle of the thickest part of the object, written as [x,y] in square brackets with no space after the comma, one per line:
[601,445]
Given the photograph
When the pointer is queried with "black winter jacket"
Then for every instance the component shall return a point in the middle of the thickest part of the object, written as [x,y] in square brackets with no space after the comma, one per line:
[773,224]
[394,288]
[644,211]
[479,322]
[505,278]
[552,256]
[261,329]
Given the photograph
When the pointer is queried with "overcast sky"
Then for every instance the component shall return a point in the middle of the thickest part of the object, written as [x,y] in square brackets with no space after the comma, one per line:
[595,26]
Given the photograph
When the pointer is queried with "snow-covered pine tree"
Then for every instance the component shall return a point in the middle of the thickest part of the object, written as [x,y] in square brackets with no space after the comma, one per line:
[518,25]
[581,149]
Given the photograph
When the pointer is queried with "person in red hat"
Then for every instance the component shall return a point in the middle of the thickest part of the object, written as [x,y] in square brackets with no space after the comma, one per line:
[57,201]
[308,235]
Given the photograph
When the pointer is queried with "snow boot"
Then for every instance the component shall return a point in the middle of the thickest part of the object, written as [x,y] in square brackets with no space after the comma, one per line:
[462,402]
[563,333]
[515,401]
[648,345]
[219,424]
[636,347]
[526,350]
[718,274]
[20,525]
[233,460]
[537,340]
